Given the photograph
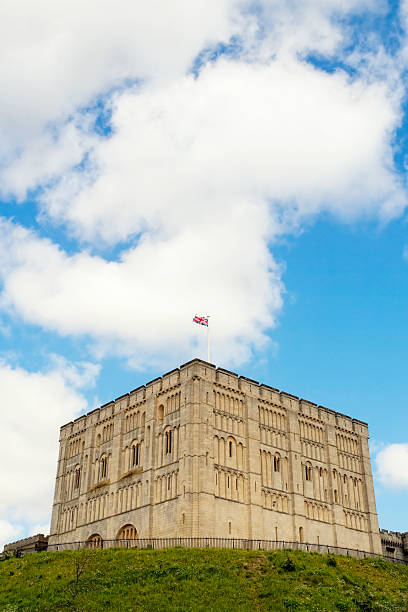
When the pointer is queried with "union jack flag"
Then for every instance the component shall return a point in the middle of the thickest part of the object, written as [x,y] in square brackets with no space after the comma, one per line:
[201,320]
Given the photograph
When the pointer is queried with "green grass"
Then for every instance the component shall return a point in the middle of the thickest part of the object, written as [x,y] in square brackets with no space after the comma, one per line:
[193,579]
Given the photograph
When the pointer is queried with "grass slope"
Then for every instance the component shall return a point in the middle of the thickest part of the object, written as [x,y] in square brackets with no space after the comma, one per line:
[192,579]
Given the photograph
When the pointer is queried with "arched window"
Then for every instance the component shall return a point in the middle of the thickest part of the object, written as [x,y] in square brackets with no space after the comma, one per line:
[127,536]
[77,478]
[135,458]
[276,463]
[168,441]
[143,419]
[94,541]
[300,534]
[308,471]
[336,499]
[160,413]
[230,448]
[103,467]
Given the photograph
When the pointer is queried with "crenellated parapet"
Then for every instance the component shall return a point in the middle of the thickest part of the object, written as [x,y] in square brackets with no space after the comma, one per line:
[394,544]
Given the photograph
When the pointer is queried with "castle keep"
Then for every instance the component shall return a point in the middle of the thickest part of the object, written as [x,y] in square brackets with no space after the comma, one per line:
[202,452]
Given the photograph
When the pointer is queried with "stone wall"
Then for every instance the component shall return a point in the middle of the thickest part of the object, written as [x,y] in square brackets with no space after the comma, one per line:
[34,543]
[202,452]
[394,544]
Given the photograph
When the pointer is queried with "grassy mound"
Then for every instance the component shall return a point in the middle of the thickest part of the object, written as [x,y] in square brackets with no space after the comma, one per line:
[192,579]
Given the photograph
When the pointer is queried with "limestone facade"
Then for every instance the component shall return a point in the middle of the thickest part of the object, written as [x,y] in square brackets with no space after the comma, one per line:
[202,452]
[35,543]
[395,544]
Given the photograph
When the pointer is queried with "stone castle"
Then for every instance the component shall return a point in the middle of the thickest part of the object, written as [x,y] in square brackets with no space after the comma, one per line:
[202,452]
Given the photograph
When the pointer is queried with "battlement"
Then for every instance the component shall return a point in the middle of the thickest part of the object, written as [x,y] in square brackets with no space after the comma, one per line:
[396,534]
[221,377]
[34,543]
[394,543]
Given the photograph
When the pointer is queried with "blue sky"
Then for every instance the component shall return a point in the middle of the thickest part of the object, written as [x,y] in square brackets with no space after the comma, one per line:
[246,160]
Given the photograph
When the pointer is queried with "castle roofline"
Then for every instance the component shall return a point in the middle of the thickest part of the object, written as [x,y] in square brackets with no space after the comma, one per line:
[197,361]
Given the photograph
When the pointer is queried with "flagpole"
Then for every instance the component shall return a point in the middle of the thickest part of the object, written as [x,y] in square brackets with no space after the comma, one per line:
[208,340]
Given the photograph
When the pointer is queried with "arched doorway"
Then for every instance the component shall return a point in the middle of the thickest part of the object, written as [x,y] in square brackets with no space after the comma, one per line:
[94,541]
[127,536]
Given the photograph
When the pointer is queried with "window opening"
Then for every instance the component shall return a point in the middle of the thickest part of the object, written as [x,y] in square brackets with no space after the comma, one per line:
[77,478]
[104,467]
[168,441]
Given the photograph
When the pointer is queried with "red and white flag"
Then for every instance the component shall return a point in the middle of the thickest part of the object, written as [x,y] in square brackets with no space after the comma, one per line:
[201,320]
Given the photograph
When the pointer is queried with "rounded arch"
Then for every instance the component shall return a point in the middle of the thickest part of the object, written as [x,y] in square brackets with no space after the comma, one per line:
[103,466]
[277,462]
[231,447]
[94,541]
[168,440]
[77,476]
[308,470]
[127,535]
[135,453]
[160,413]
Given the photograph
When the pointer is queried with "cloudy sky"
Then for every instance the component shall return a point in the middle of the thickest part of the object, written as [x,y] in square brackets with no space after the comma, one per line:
[239,158]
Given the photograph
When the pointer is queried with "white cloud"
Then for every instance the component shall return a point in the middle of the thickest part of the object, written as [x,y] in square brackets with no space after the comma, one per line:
[293,27]
[206,172]
[143,304]
[283,133]
[60,57]
[34,406]
[47,157]
[392,466]
[9,532]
